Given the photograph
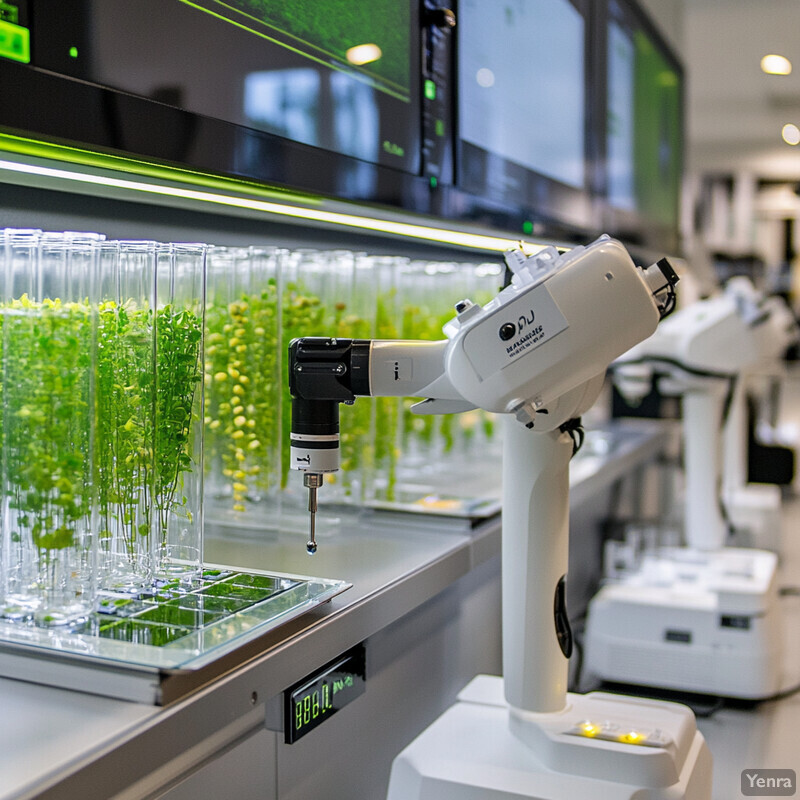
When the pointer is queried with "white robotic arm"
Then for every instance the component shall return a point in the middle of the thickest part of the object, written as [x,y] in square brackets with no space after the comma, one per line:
[537,353]
[555,328]
[698,354]
[715,338]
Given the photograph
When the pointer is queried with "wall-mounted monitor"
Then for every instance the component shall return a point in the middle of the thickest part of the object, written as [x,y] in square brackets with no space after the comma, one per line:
[643,132]
[309,93]
[504,120]
[523,115]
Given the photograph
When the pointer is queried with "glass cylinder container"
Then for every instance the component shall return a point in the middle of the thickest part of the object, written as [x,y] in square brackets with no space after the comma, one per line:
[149,393]
[243,362]
[321,297]
[302,314]
[383,273]
[472,439]
[126,414]
[49,327]
[439,454]
[351,298]
[426,302]
[18,557]
[177,538]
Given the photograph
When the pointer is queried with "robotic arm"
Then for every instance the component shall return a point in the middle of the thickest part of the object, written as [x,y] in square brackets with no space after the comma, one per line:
[536,353]
[699,353]
[531,352]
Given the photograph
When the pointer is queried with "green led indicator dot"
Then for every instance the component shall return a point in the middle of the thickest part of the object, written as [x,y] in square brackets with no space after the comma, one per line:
[73,52]
[434,182]
[430,89]
[527,227]
[440,127]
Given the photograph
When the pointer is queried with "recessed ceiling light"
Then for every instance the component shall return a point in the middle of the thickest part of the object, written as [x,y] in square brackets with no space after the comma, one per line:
[776,65]
[791,133]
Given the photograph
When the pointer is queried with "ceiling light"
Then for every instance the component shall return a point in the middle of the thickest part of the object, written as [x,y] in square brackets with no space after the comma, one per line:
[363,54]
[485,77]
[776,65]
[790,133]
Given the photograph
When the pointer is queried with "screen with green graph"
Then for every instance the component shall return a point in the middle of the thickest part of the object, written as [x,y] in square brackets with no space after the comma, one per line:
[334,74]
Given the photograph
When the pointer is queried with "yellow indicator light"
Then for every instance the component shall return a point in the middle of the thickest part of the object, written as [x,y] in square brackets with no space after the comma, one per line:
[612,732]
[363,54]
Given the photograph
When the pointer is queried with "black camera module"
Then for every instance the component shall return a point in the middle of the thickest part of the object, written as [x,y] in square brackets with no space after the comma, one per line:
[507,330]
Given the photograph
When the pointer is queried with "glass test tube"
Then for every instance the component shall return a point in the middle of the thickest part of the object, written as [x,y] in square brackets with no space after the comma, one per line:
[18,557]
[383,273]
[177,539]
[49,347]
[126,414]
[243,364]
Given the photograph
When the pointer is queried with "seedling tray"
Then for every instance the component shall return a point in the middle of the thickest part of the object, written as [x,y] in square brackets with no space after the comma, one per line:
[158,646]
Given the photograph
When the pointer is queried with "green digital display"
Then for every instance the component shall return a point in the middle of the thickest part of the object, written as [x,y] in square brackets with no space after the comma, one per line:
[320,695]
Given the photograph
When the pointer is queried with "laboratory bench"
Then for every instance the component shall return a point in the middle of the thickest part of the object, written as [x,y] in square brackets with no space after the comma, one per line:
[425,601]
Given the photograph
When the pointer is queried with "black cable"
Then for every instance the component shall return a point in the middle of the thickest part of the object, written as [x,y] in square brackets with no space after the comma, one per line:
[577,656]
[709,712]
[574,427]
[669,306]
[726,411]
[673,362]
[578,625]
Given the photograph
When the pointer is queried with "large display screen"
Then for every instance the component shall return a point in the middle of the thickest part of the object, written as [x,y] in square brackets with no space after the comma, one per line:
[555,117]
[644,122]
[522,98]
[521,89]
[334,74]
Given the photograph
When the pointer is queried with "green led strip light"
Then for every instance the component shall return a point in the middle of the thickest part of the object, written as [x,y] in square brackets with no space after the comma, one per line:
[217,193]
[24,146]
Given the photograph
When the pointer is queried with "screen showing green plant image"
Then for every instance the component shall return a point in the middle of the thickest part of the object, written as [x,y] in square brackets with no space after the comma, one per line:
[644,118]
[329,30]
[338,75]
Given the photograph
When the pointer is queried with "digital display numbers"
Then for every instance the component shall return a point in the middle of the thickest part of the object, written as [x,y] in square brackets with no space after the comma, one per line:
[318,696]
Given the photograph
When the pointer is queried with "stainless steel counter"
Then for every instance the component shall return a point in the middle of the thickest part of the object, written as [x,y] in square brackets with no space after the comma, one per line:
[57,744]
